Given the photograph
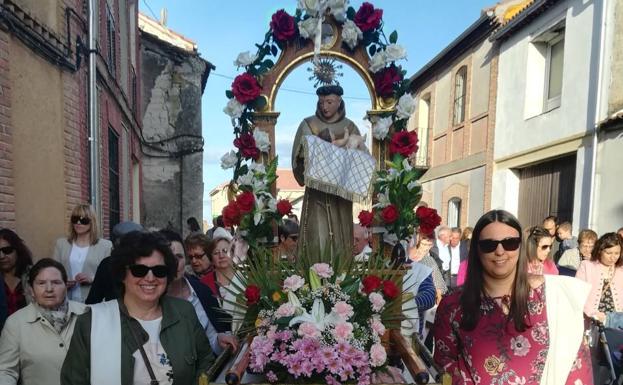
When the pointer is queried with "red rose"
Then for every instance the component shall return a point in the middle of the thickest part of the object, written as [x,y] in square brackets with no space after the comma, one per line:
[389,214]
[245,88]
[246,144]
[385,79]
[365,218]
[231,214]
[368,18]
[428,219]
[245,202]
[403,143]
[283,25]
[252,293]
[390,289]
[370,283]
[284,207]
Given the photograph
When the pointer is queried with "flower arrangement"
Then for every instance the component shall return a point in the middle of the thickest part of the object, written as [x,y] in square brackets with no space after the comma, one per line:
[318,322]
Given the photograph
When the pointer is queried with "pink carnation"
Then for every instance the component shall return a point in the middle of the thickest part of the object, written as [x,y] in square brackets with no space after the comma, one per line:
[293,283]
[309,330]
[343,310]
[377,355]
[323,270]
[343,331]
[377,326]
[285,310]
[377,301]
[271,376]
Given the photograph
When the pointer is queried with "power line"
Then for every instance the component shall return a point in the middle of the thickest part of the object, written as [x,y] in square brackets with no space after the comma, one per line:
[293,90]
[151,10]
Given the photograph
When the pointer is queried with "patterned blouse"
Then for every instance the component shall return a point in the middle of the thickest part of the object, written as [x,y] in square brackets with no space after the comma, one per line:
[495,353]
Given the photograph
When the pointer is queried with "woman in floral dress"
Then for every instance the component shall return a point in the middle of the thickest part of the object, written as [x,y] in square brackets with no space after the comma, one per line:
[505,326]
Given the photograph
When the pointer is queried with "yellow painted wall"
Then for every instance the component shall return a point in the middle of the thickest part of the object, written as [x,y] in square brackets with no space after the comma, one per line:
[36,114]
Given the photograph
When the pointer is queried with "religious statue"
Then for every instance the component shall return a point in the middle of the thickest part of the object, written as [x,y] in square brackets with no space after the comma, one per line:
[326,223]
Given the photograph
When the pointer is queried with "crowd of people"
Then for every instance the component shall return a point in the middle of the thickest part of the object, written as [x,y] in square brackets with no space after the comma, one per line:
[492,302]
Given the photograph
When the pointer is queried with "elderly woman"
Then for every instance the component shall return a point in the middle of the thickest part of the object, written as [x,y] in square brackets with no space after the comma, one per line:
[538,250]
[35,339]
[571,258]
[507,326]
[604,271]
[15,260]
[81,251]
[196,246]
[145,336]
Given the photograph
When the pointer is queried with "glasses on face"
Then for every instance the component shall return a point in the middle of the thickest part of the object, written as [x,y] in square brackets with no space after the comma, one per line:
[196,256]
[139,271]
[77,219]
[490,245]
[6,250]
[545,247]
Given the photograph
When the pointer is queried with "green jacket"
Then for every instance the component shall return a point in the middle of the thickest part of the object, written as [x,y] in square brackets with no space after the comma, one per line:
[181,336]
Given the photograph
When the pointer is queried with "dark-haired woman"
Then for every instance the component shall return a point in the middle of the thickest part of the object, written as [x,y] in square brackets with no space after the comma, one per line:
[15,260]
[145,336]
[35,339]
[505,326]
[81,251]
[539,252]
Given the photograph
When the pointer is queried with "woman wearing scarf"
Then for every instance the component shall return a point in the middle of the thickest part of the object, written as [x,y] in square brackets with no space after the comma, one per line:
[35,339]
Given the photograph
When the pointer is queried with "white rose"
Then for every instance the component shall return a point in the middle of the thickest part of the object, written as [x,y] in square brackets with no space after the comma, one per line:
[351,34]
[229,160]
[244,59]
[245,180]
[257,167]
[309,6]
[405,106]
[394,52]
[378,61]
[261,140]
[308,27]
[234,108]
[338,9]
[381,128]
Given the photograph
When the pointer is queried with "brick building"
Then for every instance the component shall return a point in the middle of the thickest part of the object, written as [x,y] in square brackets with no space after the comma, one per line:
[45,154]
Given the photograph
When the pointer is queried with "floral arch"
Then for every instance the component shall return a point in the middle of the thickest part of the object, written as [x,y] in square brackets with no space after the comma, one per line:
[322,29]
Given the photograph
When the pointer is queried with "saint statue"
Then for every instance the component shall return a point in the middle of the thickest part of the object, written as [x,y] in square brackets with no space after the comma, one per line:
[326,223]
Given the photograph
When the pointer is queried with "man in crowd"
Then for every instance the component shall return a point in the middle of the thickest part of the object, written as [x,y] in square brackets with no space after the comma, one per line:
[566,238]
[361,246]
[442,250]
[288,240]
[458,253]
[551,224]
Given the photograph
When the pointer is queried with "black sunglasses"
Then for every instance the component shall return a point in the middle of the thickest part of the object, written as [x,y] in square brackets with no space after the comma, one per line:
[6,250]
[75,219]
[139,271]
[489,245]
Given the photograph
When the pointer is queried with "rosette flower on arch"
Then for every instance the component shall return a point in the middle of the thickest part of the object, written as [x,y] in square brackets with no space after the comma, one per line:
[386,80]
[404,143]
[368,18]
[283,26]
[246,144]
[245,88]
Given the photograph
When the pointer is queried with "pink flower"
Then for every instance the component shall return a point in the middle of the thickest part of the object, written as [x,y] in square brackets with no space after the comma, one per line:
[323,270]
[331,381]
[285,310]
[377,355]
[377,301]
[293,283]
[309,330]
[343,310]
[377,326]
[271,376]
[343,331]
[520,345]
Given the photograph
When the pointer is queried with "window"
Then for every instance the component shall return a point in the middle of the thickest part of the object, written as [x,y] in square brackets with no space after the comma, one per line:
[113,179]
[454,212]
[460,90]
[553,74]
[111,34]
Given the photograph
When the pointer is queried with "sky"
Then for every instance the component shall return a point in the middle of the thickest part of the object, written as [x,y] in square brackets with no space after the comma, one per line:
[224,28]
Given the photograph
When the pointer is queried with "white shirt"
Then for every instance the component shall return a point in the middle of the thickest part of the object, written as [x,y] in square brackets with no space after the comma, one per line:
[364,255]
[455,259]
[77,256]
[444,254]
[158,359]
[204,320]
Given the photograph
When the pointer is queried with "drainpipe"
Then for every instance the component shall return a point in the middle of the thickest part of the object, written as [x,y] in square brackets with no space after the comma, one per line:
[595,134]
[94,135]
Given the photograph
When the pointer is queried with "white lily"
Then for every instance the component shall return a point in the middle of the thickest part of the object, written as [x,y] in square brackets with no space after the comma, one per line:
[294,301]
[318,317]
[246,179]
[382,200]
[406,165]
[412,185]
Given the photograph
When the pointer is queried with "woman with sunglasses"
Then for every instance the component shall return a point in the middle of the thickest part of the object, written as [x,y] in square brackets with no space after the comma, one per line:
[15,261]
[506,326]
[145,336]
[35,339]
[538,250]
[81,251]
